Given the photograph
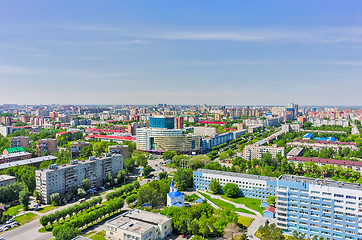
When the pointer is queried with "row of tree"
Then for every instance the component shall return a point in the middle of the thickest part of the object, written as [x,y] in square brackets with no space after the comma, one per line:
[70,229]
[123,190]
[75,209]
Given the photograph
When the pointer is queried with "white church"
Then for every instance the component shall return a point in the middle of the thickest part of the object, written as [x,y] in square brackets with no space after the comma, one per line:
[174,197]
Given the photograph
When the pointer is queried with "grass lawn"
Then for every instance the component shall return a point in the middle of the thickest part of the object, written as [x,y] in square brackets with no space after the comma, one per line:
[257,234]
[245,221]
[99,236]
[25,218]
[90,233]
[221,203]
[46,209]
[13,210]
[251,203]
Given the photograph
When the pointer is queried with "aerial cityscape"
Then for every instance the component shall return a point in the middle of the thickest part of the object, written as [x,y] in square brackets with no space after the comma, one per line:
[147,120]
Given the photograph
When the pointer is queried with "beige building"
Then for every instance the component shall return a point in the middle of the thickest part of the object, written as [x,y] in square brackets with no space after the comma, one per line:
[319,145]
[205,131]
[21,141]
[49,145]
[76,148]
[139,225]
[59,179]
[119,149]
[6,179]
[253,151]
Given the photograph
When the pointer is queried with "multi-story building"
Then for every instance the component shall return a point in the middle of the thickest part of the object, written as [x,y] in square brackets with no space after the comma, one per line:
[317,207]
[16,156]
[77,122]
[319,122]
[13,150]
[179,122]
[76,148]
[59,179]
[319,145]
[21,141]
[6,179]
[205,131]
[313,207]
[162,122]
[268,122]
[5,120]
[253,186]
[252,151]
[119,149]
[139,225]
[6,130]
[354,165]
[50,145]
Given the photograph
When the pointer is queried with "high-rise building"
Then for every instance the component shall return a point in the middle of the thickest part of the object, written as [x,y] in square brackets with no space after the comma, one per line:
[179,122]
[50,145]
[162,122]
[6,130]
[60,179]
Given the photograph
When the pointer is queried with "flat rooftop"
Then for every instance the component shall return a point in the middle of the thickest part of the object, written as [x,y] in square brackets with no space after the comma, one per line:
[6,177]
[240,175]
[26,161]
[327,161]
[69,165]
[131,225]
[146,216]
[15,154]
[324,182]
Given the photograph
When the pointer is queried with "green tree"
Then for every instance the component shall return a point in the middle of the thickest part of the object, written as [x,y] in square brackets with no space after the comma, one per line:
[129,165]
[184,178]
[147,171]
[231,190]
[162,175]
[271,200]
[55,199]
[81,192]
[271,232]
[37,195]
[169,155]
[215,186]
[24,198]
[86,184]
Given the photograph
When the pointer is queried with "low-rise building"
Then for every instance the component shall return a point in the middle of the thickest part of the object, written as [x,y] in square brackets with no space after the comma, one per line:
[59,179]
[252,151]
[13,150]
[34,162]
[319,145]
[6,179]
[295,152]
[16,156]
[139,225]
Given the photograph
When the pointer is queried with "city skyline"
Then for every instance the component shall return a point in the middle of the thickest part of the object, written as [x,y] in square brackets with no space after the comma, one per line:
[181,53]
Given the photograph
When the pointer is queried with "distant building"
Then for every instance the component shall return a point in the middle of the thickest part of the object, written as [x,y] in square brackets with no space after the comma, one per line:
[302,119]
[162,122]
[268,122]
[21,141]
[252,151]
[217,117]
[119,149]
[179,122]
[205,131]
[78,122]
[6,130]
[295,152]
[5,120]
[319,145]
[139,225]
[50,145]
[59,179]
[34,162]
[6,179]
[76,148]
[174,197]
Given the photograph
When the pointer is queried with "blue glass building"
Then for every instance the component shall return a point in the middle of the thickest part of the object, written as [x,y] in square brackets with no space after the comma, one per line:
[162,122]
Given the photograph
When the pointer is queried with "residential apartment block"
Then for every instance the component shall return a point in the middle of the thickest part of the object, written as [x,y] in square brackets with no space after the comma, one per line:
[50,145]
[16,156]
[59,179]
[21,141]
[6,179]
[252,151]
[319,145]
[76,148]
[35,162]
[119,149]
[139,225]
[313,207]
[321,208]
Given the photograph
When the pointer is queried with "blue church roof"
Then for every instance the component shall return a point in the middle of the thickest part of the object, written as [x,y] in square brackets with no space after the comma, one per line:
[199,200]
[172,184]
[174,194]
[177,204]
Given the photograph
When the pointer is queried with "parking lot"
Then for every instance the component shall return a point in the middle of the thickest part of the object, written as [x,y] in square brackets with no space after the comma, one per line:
[9,224]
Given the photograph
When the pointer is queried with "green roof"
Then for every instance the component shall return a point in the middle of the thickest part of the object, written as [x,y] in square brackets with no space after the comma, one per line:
[15,149]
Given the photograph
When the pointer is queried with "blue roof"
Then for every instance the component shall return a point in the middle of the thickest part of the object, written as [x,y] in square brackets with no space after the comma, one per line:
[308,135]
[172,184]
[329,139]
[199,200]
[174,194]
[146,205]
[177,204]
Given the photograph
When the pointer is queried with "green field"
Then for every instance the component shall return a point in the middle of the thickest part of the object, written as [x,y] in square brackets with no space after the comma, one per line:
[251,203]
[46,209]
[25,218]
[13,210]
[223,204]
[245,221]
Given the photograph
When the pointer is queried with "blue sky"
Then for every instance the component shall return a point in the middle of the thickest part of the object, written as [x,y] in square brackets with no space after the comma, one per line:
[181,52]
